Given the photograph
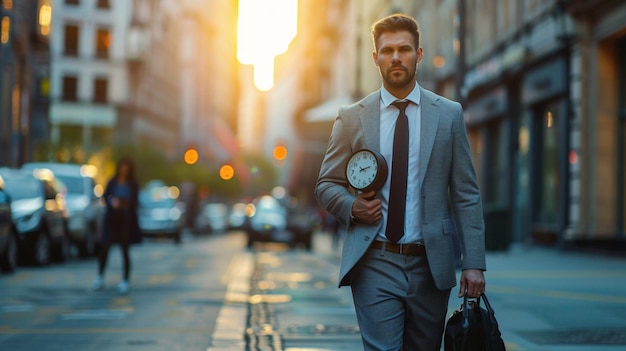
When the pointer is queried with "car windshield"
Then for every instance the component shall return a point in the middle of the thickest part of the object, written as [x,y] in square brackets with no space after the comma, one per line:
[74,184]
[22,187]
[150,199]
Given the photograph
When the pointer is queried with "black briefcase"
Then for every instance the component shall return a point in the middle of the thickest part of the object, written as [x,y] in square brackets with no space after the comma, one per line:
[473,328]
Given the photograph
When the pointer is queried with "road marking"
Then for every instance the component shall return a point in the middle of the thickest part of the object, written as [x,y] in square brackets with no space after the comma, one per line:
[557,294]
[161,279]
[96,315]
[557,274]
[192,262]
[34,331]
[120,301]
[232,316]
[18,309]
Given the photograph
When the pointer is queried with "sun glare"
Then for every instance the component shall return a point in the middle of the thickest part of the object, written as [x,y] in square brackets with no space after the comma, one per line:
[264,30]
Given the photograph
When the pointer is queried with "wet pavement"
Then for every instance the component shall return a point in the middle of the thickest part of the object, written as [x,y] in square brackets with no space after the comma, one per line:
[545,300]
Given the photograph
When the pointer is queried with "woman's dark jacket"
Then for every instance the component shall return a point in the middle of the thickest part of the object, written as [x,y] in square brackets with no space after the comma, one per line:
[133,220]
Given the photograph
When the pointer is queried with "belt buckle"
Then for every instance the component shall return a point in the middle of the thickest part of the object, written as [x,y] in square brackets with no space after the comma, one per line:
[401,248]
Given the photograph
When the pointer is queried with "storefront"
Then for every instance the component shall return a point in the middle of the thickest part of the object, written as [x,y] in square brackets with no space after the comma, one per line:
[490,128]
[519,135]
[621,138]
[542,156]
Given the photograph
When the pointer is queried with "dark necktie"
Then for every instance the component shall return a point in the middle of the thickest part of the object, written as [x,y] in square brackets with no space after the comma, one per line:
[399,170]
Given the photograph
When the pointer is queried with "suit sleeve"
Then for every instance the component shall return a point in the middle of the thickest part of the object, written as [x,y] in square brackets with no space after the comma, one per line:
[465,199]
[332,188]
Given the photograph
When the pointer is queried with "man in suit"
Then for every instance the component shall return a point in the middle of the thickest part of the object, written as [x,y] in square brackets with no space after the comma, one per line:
[401,269]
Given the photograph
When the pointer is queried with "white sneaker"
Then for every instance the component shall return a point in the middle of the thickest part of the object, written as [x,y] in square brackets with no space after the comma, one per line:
[98,283]
[123,287]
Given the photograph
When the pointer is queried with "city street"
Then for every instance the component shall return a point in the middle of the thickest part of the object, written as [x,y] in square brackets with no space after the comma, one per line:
[210,293]
[176,293]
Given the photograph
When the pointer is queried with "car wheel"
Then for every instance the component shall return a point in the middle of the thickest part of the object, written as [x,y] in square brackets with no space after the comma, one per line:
[177,238]
[41,249]
[8,260]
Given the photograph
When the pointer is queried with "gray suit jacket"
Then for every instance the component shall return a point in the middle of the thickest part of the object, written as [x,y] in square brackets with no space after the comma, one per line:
[450,198]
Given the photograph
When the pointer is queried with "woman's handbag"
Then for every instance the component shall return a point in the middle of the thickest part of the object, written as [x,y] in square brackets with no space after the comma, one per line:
[473,328]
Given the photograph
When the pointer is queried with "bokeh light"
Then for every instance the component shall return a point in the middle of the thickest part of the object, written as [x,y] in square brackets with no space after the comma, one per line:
[227,172]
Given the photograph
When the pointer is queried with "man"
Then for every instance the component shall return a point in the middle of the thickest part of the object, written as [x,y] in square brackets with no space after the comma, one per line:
[401,287]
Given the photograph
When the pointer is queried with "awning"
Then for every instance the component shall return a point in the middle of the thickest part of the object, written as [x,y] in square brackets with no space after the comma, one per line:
[327,110]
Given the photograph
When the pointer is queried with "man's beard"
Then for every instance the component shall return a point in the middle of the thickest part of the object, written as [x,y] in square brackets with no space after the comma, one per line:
[399,82]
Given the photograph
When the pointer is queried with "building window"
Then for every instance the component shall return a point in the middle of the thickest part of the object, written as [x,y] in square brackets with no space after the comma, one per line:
[103,4]
[70,88]
[496,175]
[100,88]
[549,186]
[71,40]
[621,139]
[103,43]
[72,135]
[5,29]
[45,19]
[72,2]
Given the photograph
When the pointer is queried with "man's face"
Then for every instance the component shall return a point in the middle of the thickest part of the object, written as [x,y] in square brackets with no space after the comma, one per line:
[397,59]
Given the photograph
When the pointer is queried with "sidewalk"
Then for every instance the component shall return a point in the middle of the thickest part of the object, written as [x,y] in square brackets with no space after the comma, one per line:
[549,300]
[544,299]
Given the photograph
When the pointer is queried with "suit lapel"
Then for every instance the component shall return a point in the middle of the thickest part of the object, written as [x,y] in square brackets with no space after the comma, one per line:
[370,120]
[430,122]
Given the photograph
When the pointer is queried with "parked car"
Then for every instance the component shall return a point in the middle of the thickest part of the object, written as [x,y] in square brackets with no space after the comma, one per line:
[238,216]
[302,221]
[85,210]
[271,222]
[8,235]
[39,214]
[213,218]
[160,213]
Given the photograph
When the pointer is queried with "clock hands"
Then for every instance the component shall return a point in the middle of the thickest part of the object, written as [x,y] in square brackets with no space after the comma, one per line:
[364,168]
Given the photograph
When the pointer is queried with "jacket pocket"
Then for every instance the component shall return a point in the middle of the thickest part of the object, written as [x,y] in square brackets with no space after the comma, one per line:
[447,226]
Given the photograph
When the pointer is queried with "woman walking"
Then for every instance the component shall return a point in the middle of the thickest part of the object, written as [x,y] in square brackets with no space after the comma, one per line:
[121,225]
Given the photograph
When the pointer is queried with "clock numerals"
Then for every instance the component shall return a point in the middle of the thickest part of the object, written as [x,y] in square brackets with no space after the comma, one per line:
[366,169]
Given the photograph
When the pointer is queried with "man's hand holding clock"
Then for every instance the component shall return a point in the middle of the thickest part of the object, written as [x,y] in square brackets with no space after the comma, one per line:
[366,171]
[367,209]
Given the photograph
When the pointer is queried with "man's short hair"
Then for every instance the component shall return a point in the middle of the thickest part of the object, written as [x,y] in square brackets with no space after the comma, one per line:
[396,23]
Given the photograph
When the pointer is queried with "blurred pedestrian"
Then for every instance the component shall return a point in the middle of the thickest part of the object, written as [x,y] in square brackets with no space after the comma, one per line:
[121,225]
[398,251]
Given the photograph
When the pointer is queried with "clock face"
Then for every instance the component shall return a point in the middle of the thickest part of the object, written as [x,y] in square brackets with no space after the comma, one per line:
[366,170]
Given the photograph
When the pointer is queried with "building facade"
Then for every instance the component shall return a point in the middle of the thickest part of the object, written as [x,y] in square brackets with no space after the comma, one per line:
[24,78]
[209,83]
[88,73]
[543,87]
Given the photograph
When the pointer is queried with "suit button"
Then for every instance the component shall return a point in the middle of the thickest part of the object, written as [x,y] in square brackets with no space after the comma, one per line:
[366,238]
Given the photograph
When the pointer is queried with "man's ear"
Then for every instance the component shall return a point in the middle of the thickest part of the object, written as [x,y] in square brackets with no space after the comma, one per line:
[375,57]
[420,55]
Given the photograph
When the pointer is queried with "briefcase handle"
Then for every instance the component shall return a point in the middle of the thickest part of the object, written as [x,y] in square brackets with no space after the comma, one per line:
[483,296]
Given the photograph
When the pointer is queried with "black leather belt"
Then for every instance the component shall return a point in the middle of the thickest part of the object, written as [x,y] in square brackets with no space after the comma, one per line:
[404,249]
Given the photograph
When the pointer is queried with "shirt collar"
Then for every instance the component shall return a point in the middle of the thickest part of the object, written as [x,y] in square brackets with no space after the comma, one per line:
[387,98]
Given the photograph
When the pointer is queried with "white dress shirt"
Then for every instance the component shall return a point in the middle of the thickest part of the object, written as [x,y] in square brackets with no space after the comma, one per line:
[388,116]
